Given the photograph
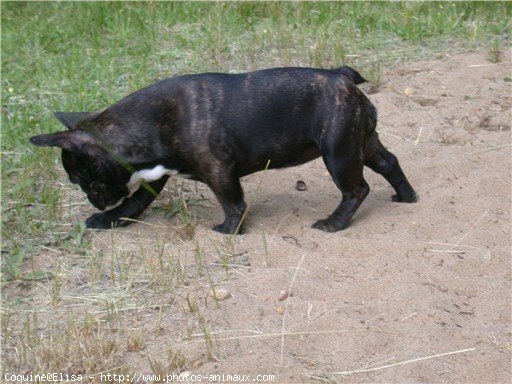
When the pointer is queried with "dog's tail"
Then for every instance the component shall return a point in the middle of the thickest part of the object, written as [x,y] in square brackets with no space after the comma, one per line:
[352,74]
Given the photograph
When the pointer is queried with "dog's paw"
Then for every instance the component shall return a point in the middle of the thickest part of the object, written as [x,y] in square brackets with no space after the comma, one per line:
[327,225]
[223,228]
[227,229]
[412,198]
[101,220]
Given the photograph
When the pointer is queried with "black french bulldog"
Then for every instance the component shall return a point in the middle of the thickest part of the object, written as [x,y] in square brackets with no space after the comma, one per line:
[216,128]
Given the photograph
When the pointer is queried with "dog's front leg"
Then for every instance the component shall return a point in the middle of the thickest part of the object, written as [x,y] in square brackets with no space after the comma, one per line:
[130,208]
[228,191]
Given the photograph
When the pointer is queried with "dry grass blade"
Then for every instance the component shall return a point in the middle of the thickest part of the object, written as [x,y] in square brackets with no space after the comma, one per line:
[493,148]
[480,65]
[286,307]
[319,378]
[152,225]
[457,246]
[396,136]
[345,373]
[457,243]
[418,138]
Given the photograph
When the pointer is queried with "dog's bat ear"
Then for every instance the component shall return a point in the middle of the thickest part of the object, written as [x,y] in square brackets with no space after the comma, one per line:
[58,139]
[68,140]
[71,119]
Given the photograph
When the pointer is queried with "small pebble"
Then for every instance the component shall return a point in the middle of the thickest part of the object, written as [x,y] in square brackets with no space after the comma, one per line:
[219,294]
[300,186]
[443,288]
[244,260]
[284,295]
[185,374]
[409,91]
[197,362]
[280,310]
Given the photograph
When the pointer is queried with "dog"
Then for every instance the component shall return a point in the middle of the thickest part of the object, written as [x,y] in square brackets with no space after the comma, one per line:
[217,128]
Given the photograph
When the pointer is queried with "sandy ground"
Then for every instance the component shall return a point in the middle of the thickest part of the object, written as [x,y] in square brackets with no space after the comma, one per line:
[404,282]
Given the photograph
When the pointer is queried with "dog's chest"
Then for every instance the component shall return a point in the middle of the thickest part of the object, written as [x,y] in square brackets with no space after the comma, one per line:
[149,175]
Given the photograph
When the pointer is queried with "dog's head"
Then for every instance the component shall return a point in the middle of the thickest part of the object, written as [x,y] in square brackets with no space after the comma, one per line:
[88,161]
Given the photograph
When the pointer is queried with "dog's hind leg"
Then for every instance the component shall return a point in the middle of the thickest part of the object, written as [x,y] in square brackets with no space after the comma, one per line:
[347,173]
[380,160]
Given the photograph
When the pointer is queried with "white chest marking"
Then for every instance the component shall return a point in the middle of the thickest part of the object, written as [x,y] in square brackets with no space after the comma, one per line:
[148,175]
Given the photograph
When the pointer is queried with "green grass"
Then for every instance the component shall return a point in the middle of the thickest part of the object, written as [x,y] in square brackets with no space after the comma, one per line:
[85,56]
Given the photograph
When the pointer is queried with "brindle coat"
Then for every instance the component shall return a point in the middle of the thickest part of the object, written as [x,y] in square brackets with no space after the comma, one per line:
[216,128]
